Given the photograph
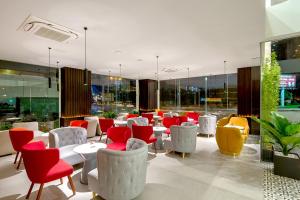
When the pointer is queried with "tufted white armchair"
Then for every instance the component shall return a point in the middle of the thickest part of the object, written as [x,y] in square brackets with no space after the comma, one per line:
[184,138]
[120,174]
[141,121]
[66,139]
[207,124]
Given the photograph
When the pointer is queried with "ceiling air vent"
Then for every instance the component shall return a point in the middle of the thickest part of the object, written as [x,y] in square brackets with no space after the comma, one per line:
[46,29]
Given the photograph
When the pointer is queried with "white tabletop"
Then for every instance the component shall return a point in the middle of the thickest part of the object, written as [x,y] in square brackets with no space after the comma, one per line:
[159,128]
[90,147]
[122,122]
[156,117]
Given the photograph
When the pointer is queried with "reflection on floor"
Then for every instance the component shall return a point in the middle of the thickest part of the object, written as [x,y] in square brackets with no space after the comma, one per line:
[206,174]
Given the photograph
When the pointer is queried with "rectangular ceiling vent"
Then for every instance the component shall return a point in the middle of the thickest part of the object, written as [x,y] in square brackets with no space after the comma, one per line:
[46,29]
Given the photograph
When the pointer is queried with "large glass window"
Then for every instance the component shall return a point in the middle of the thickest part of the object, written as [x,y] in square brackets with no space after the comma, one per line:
[112,94]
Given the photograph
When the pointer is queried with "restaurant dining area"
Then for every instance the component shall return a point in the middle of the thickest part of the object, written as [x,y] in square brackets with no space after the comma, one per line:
[166,100]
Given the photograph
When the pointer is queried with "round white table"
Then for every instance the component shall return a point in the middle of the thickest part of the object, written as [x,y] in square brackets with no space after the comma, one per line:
[88,151]
[120,122]
[158,131]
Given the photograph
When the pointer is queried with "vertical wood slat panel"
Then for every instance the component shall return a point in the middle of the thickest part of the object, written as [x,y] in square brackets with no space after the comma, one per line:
[75,96]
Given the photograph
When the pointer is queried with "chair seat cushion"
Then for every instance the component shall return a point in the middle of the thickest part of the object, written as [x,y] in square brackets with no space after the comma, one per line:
[117,146]
[168,131]
[61,169]
[151,140]
[70,156]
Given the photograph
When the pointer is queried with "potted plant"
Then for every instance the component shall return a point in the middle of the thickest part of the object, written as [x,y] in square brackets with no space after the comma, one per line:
[110,115]
[285,137]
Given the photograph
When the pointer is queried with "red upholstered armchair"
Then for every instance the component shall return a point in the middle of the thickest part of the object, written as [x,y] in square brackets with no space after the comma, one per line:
[168,122]
[43,165]
[119,137]
[160,113]
[105,124]
[181,119]
[19,137]
[144,133]
[149,116]
[194,116]
[131,116]
[79,123]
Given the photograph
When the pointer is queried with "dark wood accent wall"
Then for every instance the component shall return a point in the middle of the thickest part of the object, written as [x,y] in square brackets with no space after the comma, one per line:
[249,95]
[148,95]
[76,98]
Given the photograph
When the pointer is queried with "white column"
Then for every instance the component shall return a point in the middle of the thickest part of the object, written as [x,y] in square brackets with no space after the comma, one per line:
[158,94]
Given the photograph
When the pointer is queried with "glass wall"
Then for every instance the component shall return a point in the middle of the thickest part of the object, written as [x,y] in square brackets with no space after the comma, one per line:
[28,98]
[189,93]
[112,94]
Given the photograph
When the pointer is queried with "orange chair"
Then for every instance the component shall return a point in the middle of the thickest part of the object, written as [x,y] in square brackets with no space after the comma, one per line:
[79,123]
[240,121]
[131,116]
[19,137]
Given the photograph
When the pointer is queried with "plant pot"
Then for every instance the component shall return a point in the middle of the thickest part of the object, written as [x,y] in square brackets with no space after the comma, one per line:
[288,166]
[267,155]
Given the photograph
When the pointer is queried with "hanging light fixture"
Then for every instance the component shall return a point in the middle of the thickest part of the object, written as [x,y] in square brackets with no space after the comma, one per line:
[120,78]
[57,76]
[86,74]
[49,75]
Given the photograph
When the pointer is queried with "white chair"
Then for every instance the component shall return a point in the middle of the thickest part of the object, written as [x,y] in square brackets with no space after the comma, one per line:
[98,130]
[5,144]
[120,174]
[141,121]
[207,124]
[93,124]
[66,139]
[184,138]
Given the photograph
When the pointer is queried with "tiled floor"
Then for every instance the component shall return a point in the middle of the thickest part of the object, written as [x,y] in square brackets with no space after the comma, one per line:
[206,174]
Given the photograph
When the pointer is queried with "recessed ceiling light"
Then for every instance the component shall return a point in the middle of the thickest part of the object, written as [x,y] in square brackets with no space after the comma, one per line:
[118,51]
[139,59]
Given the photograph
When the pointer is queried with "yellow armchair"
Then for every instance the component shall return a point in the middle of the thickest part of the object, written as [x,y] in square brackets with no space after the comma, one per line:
[229,140]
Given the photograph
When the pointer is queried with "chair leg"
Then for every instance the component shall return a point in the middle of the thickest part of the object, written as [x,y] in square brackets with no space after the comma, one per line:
[17,155]
[21,157]
[155,148]
[29,191]
[40,192]
[183,155]
[94,196]
[100,136]
[72,185]
[106,140]
[61,181]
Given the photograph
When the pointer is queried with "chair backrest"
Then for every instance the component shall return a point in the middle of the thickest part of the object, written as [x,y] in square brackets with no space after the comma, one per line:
[184,138]
[122,174]
[19,137]
[98,131]
[142,132]
[239,121]
[34,126]
[207,124]
[92,127]
[169,121]
[160,113]
[67,136]
[180,119]
[131,116]
[141,121]
[79,123]
[106,124]
[149,116]
[223,121]
[193,115]
[119,134]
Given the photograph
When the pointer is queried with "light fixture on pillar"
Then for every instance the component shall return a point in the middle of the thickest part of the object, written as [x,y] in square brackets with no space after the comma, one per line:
[49,75]
[86,73]
[57,76]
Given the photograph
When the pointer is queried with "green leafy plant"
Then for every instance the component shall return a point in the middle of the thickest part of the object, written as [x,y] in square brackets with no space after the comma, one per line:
[134,111]
[279,130]
[110,114]
[270,86]
[5,126]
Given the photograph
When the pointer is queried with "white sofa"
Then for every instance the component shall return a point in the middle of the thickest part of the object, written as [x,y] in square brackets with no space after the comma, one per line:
[66,139]
[184,139]
[120,174]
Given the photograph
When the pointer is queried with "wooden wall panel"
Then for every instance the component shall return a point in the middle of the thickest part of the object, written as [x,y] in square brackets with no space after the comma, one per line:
[76,98]
[148,95]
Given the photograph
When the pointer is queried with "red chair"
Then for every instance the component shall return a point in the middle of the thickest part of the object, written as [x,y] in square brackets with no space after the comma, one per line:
[160,113]
[105,124]
[79,123]
[19,137]
[119,137]
[43,165]
[194,116]
[168,122]
[131,116]
[149,116]
[144,133]
[182,119]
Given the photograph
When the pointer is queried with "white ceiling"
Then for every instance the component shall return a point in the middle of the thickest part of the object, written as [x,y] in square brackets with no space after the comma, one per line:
[199,34]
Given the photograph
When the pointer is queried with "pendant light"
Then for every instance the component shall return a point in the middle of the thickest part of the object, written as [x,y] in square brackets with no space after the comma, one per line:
[57,76]
[49,75]
[86,74]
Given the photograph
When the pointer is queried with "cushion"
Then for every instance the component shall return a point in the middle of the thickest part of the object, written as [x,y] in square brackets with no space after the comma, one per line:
[117,146]
[61,169]
[70,156]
